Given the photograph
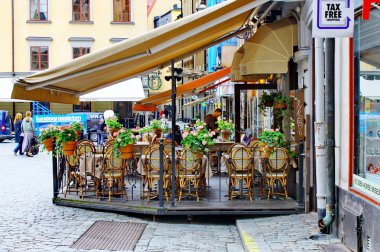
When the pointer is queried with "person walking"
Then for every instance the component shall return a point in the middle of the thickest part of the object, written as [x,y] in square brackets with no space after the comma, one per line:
[29,130]
[18,137]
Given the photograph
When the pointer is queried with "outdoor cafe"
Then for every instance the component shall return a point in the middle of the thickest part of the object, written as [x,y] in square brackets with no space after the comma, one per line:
[208,171]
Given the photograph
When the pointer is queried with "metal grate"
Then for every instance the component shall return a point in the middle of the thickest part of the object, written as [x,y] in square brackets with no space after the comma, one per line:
[111,235]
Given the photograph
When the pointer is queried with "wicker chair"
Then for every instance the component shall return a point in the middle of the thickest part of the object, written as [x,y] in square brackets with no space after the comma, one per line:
[240,170]
[152,171]
[277,171]
[189,174]
[72,173]
[113,174]
[85,154]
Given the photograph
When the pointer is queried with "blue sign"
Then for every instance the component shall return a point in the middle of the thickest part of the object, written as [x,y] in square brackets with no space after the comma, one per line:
[43,121]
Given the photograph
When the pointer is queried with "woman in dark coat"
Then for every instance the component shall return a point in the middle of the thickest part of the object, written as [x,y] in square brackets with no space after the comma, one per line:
[18,139]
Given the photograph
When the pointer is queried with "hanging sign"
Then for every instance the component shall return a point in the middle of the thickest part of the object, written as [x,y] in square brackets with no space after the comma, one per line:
[333,18]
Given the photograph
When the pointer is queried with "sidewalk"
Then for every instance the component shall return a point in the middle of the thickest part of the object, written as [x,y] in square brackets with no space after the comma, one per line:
[285,233]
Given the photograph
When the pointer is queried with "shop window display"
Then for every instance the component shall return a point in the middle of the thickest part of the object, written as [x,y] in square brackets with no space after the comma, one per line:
[367,108]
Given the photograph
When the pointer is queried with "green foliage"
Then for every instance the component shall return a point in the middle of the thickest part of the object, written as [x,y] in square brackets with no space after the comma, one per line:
[266,100]
[50,132]
[66,134]
[145,129]
[77,126]
[199,139]
[224,125]
[113,123]
[273,138]
[156,124]
[124,137]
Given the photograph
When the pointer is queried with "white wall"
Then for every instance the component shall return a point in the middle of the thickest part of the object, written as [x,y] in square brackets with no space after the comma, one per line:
[342,143]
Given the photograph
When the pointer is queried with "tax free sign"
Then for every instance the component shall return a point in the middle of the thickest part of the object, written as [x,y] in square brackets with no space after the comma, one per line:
[333,18]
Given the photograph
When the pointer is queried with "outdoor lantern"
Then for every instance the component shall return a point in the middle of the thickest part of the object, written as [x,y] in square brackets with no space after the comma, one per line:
[108,114]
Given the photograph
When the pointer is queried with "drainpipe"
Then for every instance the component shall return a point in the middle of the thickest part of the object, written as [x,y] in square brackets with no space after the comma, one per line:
[325,224]
[319,126]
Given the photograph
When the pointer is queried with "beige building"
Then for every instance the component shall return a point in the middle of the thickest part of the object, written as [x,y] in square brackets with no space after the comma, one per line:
[40,34]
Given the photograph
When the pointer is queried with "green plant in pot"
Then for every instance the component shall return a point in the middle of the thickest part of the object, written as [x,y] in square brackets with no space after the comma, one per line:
[67,140]
[157,128]
[113,125]
[226,127]
[266,100]
[46,137]
[199,139]
[78,127]
[270,139]
[124,142]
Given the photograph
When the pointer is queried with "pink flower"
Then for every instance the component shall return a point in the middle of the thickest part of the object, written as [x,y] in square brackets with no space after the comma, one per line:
[194,133]
[122,130]
[200,127]
[205,135]
[277,129]
[210,135]
[213,133]
[204,142]
[185,134]
[119,139]
[271,130]
[133,136]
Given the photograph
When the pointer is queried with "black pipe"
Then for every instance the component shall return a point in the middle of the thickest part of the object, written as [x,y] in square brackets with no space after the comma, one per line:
[325,224]
[160,183]
[55,168]
[173,127]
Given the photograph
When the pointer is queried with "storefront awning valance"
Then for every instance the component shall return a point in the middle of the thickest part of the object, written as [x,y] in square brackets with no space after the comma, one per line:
[267,51]
[186,89]
[138,55]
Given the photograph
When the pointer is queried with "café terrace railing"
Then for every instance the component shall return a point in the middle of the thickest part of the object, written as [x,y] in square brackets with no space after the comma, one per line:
[217,189]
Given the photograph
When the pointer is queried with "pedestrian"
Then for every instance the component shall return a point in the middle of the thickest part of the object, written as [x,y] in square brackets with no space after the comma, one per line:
[29,130]
[19,137]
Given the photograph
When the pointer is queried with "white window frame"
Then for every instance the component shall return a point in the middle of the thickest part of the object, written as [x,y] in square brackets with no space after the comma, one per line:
[41,44]
[49,11]
[132,13]
[71,12]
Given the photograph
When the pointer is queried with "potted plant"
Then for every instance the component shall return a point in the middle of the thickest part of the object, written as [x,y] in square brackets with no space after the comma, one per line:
[124,142]
[282,102]
[266,100]
[270,139]
[113,125]
[67,138]
[78,127]
[226,127]
[157,128]
[46,137]
[198,139]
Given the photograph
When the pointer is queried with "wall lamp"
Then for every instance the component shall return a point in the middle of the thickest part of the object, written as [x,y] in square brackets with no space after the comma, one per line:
[177,74]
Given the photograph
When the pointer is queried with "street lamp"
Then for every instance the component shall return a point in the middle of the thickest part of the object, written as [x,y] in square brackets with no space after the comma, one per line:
[176,76]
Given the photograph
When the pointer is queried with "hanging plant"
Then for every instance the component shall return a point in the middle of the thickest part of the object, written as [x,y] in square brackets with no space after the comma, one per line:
[266,100]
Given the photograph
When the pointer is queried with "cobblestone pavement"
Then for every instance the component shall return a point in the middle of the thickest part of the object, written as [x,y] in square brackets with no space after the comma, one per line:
[286,233]
[30,222]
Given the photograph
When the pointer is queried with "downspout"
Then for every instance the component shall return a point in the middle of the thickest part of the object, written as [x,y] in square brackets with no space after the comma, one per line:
[325,224]
[319,129]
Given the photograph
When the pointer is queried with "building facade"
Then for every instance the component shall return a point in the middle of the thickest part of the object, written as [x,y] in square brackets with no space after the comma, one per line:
[41,34]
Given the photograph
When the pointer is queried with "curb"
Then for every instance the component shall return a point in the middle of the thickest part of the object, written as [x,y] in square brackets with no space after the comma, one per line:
[250,236]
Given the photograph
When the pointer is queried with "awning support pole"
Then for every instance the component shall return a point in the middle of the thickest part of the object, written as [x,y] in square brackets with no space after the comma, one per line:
[173,126]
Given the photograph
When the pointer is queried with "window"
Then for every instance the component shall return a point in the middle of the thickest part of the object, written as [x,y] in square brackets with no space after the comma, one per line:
[121,11]
[82,107]
[38,10]
[367,105]
[81,10]
[39,57]
[80,51]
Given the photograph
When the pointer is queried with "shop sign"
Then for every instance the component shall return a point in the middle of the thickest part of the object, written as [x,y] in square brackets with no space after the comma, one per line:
[366,186]
[43,121]
[333,18]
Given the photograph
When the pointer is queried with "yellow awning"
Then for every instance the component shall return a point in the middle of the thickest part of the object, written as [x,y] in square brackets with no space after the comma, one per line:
[138,55]
[267,51]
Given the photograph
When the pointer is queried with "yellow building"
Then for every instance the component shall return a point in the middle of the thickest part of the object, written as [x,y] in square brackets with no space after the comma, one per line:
[40,34]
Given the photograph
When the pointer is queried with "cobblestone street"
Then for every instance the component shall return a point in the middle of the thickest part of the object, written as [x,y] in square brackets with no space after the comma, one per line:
[30,222]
